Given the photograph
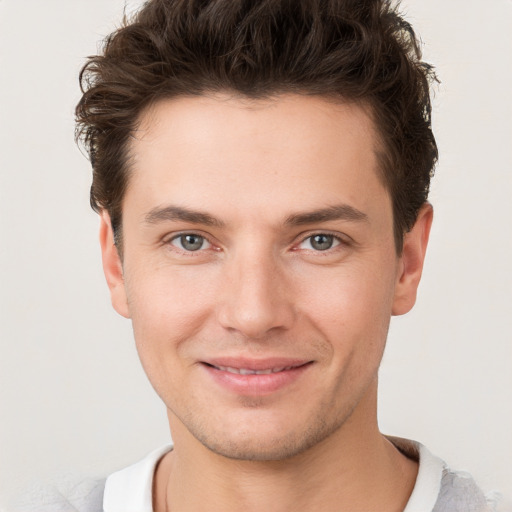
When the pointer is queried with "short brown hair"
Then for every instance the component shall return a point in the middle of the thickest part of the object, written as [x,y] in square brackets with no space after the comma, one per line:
[346,50]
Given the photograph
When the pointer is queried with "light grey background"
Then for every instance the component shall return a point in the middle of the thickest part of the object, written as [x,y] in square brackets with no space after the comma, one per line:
[73,397]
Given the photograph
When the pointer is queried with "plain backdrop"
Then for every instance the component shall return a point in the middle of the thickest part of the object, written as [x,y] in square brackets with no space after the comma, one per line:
[73,397]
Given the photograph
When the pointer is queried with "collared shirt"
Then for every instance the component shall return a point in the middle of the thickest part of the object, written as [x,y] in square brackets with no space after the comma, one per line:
[437,488]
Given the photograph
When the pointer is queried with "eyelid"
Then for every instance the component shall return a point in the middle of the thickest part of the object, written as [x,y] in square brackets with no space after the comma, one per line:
[341,237]
[170,237]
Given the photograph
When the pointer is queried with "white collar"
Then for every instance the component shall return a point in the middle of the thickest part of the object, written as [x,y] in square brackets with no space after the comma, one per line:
[130,490]
[430,472]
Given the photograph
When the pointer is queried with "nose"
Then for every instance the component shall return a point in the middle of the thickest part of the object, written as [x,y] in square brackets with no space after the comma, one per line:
[256,298]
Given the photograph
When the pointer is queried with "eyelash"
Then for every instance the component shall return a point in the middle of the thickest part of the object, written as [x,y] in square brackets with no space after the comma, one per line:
[188,233]
[338,241]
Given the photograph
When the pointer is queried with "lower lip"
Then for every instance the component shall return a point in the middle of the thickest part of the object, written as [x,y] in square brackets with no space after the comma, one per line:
[252,385]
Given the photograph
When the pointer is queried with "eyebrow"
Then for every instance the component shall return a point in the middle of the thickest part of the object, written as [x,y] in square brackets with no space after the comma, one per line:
[339,212]
[179,213]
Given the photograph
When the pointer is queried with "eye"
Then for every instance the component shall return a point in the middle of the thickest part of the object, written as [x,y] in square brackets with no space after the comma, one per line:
[190,242]
[319,242]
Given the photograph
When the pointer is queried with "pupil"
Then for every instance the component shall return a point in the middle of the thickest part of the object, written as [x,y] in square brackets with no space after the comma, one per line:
[192,242]
[322,242]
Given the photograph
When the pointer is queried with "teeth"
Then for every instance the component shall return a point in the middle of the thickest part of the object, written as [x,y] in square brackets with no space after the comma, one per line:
[245,371]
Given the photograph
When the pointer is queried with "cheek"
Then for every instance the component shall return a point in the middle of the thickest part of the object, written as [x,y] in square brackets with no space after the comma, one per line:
[165,294]
[166,311]
[167,308]
[351,308]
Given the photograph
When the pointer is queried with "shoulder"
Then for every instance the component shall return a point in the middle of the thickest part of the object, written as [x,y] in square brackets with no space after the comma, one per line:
[65,495]
[127,489]
[132,488]
[439,488]
[459,492]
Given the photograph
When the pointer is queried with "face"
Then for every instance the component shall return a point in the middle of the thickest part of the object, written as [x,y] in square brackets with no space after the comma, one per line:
[259,267]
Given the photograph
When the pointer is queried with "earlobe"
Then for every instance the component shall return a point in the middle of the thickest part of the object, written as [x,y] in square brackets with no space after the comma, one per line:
[112,266]
[411,261]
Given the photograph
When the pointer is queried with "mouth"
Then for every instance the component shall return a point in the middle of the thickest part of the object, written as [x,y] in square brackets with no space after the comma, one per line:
[256,377]
[248,371]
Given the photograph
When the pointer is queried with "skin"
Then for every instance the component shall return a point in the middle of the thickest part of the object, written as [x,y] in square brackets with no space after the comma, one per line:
[258,287]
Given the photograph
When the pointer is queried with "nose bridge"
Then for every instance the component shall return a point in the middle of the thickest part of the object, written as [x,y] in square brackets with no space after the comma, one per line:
[255,299]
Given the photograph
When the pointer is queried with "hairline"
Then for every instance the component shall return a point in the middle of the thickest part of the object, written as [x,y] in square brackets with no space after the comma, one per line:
[380,150]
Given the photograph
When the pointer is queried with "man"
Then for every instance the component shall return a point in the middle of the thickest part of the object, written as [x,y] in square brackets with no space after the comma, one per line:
[262,170]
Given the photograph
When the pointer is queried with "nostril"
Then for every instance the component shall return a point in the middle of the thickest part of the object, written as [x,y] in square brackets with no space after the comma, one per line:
[254,301]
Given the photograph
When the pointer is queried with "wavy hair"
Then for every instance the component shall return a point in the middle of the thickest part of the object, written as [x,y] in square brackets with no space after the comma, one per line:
[345,50]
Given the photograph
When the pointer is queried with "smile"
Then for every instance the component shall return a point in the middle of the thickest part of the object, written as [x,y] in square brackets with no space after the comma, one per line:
[256,377]
[246,371]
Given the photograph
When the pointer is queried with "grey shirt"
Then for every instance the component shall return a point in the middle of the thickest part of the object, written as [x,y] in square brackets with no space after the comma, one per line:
[437,488]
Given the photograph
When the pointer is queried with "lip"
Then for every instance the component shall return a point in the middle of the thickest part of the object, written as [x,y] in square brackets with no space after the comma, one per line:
[279,373]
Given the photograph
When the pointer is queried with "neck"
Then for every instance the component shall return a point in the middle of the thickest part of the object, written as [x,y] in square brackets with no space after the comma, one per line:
[336,474]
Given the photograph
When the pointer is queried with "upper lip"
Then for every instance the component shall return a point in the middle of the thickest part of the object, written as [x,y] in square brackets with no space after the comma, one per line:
[270,363]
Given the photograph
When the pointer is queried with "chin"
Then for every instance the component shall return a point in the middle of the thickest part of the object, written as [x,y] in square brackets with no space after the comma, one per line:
[260,444]
[277,449]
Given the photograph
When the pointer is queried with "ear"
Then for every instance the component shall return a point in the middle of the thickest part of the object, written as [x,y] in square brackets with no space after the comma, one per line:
[112,266]
[411,261]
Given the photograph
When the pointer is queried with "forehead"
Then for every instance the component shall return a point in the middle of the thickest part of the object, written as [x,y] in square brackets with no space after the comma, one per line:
[291,150]
[225,120]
